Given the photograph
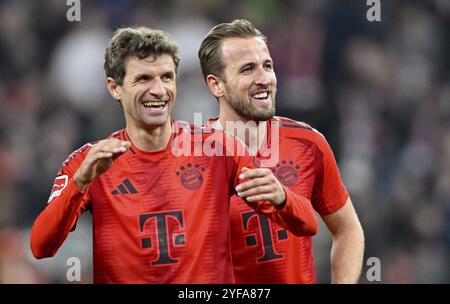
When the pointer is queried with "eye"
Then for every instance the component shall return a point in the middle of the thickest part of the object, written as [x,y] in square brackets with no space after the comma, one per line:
[143,78]
[268,66]
[247,69]
[168,77]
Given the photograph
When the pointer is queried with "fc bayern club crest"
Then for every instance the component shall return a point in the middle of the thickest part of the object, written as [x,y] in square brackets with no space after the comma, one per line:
[287,173]
[191,176]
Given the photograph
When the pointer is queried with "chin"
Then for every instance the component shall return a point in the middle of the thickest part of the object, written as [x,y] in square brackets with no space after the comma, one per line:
[263,115]
[156,122]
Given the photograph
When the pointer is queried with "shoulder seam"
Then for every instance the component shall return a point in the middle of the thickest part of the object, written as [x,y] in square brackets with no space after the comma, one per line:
[294,126]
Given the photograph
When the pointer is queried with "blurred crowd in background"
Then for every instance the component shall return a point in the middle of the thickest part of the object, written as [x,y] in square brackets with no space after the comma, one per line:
[378,91]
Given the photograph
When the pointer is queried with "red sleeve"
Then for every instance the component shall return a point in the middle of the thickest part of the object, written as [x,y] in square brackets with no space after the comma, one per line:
[64,206]
[297,215]
[329,192]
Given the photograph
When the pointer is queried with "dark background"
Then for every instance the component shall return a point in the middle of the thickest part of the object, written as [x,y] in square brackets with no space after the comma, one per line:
[378,91]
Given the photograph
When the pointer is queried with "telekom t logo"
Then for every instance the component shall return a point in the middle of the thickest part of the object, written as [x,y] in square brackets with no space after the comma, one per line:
[265,235]
[165,237]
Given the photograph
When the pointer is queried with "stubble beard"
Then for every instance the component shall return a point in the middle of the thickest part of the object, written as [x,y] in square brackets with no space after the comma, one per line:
[247,110]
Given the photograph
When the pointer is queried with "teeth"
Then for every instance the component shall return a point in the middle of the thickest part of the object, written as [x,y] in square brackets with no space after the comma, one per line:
[154,103]
[262,95]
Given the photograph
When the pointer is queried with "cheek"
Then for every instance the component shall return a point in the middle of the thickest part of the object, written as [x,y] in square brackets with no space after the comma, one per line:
[174,93]
[242,87]
[132,99]
[273,78]
[172,90]
[136,94]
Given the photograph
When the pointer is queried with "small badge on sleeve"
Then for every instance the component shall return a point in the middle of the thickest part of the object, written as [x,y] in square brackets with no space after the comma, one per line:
[58,186]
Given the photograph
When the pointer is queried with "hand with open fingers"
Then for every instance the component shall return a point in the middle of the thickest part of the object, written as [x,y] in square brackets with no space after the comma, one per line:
[99,159]
[262,185]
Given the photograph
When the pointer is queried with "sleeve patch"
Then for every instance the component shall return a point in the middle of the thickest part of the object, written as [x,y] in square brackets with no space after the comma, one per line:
[58,186]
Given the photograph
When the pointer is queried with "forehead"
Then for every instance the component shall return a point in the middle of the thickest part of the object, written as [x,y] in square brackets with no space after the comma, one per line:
[236,51]
[153,64]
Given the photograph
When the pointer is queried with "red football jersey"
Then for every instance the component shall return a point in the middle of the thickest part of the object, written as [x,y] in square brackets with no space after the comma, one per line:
[158,217]
[262,250]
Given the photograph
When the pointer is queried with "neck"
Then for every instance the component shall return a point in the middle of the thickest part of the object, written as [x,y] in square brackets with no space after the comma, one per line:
[150,138]
[253,133]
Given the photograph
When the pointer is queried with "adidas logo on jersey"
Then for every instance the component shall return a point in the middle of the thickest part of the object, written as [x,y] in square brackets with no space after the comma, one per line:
[126,187]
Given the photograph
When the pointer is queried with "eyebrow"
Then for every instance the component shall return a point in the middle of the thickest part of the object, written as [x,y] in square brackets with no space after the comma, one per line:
[171,73]
[141,75]
[252,63]
[147,75]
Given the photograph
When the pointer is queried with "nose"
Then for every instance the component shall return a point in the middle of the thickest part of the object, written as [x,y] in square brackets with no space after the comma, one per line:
[157,89]
[263,77]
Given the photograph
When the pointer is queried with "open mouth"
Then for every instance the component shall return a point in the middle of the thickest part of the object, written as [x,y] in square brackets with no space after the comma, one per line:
[155,104]
[261,96]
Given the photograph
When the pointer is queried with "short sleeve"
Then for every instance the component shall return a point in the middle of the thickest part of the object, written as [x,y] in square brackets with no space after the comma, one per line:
[329,193]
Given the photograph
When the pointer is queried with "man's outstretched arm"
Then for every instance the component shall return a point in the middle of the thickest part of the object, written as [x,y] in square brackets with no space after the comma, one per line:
[65,205]
[348,244]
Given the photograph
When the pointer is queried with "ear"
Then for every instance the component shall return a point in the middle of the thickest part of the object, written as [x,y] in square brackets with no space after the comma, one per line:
[215,85]
[113,88]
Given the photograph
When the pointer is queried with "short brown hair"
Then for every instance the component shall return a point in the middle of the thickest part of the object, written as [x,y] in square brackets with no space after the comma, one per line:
[210,55]
[140,42]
